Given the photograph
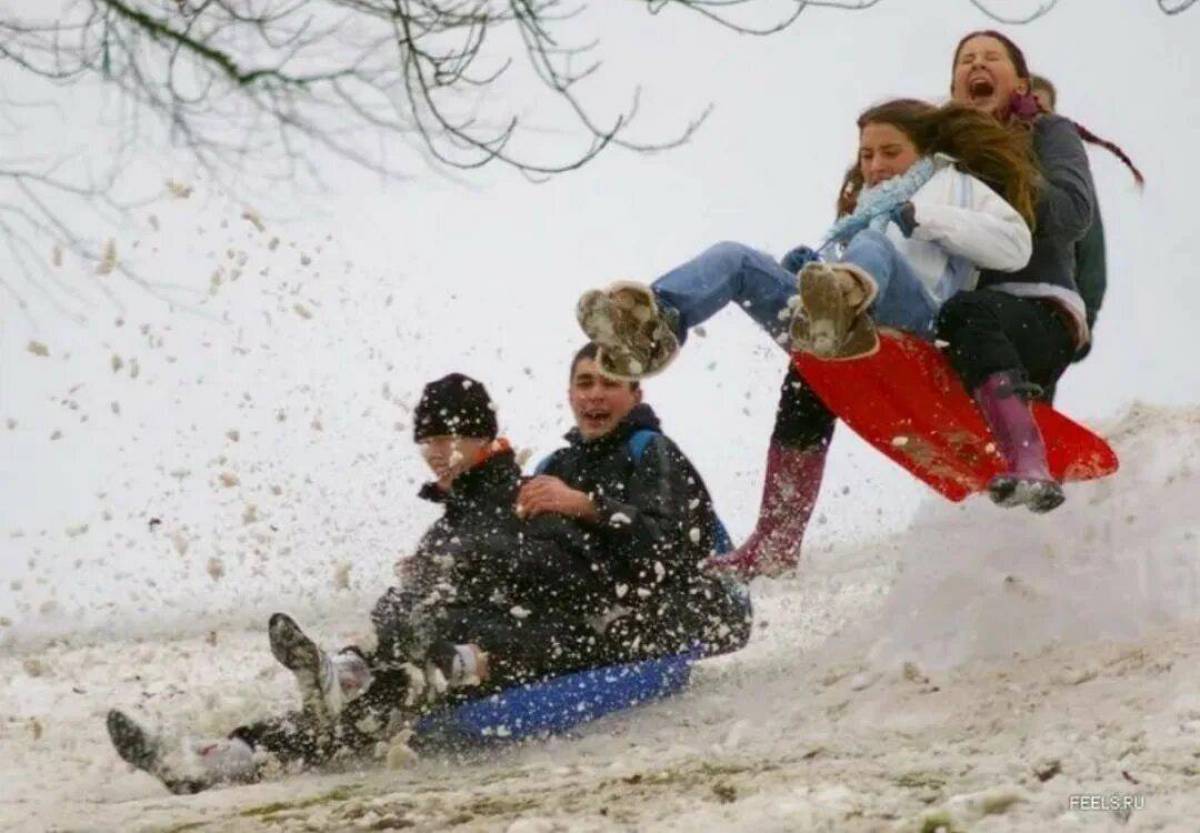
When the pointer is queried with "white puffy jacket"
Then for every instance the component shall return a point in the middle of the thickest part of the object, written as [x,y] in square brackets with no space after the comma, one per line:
[962,226]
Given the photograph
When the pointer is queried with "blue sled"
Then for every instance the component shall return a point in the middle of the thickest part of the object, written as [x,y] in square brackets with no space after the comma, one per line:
[555,705]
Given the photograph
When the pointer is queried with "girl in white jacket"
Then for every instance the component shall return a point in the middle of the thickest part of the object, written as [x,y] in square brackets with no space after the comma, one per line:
[917,222]
[935,195]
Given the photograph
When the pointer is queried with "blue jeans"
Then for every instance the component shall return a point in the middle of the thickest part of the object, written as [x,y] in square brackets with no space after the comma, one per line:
[903,301]
[731,272]
[724,273]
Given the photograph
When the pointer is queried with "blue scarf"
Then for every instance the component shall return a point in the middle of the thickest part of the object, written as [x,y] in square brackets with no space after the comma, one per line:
[875,204]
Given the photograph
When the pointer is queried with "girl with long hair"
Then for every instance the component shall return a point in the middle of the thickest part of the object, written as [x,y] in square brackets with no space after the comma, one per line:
[1011,337]
[936,195]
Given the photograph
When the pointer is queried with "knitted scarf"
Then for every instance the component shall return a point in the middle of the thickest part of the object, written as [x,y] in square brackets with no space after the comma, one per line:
[876,203]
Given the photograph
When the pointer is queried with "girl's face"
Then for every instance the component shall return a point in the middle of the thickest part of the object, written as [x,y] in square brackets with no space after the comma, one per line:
[884,151]
[985,77]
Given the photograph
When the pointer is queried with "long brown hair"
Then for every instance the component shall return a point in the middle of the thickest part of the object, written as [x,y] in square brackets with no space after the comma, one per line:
[981,146]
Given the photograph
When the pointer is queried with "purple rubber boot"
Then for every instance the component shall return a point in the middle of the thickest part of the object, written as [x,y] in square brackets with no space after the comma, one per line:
[1027,481]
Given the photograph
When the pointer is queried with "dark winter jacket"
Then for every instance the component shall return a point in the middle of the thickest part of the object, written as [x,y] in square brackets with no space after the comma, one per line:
[656,524]
[1091,273]
[459,560]
[1066,203]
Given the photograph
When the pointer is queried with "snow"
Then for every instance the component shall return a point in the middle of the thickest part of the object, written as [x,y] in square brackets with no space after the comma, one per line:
[179,460]
[982,668]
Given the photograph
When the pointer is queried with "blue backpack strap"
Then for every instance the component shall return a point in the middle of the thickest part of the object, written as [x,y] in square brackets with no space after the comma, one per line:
[638,442]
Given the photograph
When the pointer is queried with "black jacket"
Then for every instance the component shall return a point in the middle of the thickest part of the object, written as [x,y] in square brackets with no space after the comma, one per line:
[656,525]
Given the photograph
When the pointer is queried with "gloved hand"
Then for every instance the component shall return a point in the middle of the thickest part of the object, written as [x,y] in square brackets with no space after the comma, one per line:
[905,216]
[796,259]
[1024,107]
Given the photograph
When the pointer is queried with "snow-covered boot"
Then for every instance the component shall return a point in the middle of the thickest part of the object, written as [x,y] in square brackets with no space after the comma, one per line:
[790,490]
[327,683]
[185,765]
[635,335]
[1002,399]
[831,319]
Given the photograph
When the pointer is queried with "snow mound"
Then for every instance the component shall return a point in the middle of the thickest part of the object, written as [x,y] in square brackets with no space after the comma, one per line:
[1121,556]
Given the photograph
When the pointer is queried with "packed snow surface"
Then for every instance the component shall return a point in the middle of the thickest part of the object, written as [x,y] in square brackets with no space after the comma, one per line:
[983,669]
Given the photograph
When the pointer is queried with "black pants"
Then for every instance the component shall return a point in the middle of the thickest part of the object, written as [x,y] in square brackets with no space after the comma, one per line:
[295,738]
[991,331]
[801,419]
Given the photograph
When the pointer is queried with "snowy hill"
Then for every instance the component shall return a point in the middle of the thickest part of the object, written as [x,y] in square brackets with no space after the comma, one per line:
[977,670]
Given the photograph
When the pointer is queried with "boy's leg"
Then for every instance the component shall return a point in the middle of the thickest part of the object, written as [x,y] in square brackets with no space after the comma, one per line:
[185,765]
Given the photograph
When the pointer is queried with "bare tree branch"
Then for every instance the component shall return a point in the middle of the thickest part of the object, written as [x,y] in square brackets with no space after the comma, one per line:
[269,91]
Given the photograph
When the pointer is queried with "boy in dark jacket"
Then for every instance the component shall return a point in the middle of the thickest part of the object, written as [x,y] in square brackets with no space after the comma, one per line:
[650,519]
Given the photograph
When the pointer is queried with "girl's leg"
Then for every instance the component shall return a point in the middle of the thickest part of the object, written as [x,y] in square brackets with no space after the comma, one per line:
[723,274]
[902,301]
[795,466]
[990,332]
[1008,350]
[639,329]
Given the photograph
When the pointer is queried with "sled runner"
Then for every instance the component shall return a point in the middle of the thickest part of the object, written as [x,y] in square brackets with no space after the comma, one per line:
[907,401]
[555,705]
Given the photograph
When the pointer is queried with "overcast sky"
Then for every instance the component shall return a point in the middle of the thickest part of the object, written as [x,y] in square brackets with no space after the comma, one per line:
[266,426]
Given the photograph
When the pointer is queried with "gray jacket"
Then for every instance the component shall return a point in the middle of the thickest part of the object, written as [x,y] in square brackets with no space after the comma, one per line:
[1066,203]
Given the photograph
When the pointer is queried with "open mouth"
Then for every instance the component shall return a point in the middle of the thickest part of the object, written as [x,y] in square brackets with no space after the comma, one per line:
[981,87]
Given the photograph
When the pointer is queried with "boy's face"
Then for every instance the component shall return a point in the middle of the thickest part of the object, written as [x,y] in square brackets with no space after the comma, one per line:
[449,456]
[599,402]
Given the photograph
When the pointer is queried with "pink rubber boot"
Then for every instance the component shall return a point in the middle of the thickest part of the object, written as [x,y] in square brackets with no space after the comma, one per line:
[789,494]
[1027,481]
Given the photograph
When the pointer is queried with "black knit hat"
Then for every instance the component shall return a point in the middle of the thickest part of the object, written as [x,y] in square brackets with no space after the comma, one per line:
[455,405]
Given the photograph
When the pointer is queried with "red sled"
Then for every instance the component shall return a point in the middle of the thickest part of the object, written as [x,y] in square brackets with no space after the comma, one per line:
[907,401]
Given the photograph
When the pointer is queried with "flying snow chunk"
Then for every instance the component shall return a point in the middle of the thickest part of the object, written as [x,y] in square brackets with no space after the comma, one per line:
[518,612]
[253,217]
[178,190]
[108,258]
[619,519]
[899,441]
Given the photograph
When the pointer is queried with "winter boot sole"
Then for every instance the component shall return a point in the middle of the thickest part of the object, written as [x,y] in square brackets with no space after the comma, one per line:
[140,750]
[825,324]
[634,338]
[1039,496]
[300,655]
